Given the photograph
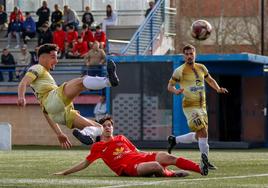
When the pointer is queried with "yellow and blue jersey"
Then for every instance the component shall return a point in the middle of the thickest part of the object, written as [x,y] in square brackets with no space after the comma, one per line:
[192,80]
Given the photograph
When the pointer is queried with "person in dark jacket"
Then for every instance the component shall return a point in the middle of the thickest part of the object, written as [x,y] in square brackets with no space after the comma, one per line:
[3,18]
[87,17]
[45,35]
[7,65]
[43,13]
[151,6]
[16,28]
[29,28]
[56,17]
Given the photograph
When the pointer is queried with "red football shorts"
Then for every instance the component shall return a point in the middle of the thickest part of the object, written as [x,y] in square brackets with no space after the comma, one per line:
[130,168]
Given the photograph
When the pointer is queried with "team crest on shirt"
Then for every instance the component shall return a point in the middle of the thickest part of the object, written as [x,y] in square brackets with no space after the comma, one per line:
[118,151]
[198,82]
[198,86]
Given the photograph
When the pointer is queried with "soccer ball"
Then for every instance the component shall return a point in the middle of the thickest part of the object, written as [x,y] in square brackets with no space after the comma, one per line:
[201,29]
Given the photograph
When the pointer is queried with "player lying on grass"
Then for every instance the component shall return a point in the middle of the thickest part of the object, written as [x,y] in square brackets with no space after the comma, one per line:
[122,157]
[56,102]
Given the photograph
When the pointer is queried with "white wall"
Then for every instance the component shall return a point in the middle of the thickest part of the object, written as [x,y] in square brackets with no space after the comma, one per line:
[78,5]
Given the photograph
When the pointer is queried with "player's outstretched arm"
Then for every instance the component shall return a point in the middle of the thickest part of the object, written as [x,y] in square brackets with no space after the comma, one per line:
[215,85]
[63,139]
[24,83]
[171,88]
[82,165]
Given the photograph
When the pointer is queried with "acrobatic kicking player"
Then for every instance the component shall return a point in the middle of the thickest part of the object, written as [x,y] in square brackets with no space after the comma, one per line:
[56,102]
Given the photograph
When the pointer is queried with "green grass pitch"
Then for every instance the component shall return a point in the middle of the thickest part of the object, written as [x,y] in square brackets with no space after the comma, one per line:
[33,167]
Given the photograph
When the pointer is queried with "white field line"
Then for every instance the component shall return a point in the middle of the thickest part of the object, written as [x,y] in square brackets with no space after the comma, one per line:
[183,181]
[67,181]
[115,183]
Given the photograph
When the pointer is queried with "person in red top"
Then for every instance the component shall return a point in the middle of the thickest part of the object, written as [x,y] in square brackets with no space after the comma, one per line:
[59,37]
[71,35]
[87,35]
[123,158]
[79,50]
[13,15]
[100,36]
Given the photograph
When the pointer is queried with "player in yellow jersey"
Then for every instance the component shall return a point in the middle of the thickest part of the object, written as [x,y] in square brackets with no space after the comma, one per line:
[56,101]
[191,77]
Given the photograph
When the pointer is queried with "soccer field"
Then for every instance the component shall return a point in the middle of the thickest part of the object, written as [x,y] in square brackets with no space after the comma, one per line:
[34,166]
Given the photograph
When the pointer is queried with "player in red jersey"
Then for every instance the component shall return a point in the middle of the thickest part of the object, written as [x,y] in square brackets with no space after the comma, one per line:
[122,157]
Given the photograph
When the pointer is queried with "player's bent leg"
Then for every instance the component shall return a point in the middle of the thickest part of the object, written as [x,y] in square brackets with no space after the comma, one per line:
[166,159]
[81,122]
[202,133]
[149,169]
[89,129]
[75,86]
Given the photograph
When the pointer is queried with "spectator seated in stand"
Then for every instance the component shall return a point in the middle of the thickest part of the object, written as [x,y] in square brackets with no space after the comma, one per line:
[79,50]
[70,17]
[43,14]
[87,17]
[94,60]
[45,36]
[56,17]
[87,35]
[7,65]
[3,18]
[59,37]
[12,17]
[16,29]
[71,36]
[100,36]
[23,62]
[111,18]
[29,28]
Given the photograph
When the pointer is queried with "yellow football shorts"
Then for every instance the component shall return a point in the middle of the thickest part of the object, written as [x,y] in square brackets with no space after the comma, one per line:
[197,118]
[59,108]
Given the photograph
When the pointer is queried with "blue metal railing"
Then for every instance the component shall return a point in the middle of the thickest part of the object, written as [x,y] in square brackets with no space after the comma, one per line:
[142,41]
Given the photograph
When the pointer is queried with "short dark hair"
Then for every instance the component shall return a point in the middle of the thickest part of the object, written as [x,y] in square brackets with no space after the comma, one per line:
[106,118]
[71,26]
[85,26]
[188,47]
[47,48]
[58,25]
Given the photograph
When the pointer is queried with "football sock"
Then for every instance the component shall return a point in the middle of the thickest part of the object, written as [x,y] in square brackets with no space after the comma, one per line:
[186,138]
[186,164]
[203,145]
[96,83]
